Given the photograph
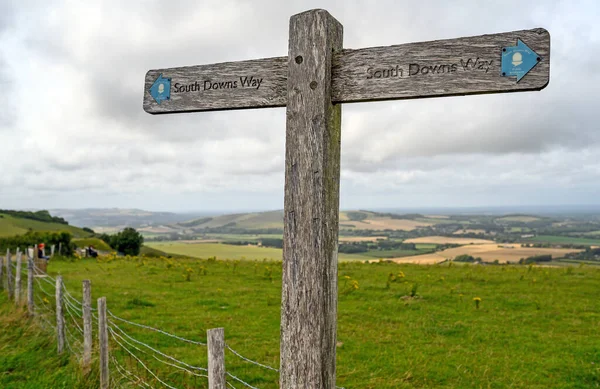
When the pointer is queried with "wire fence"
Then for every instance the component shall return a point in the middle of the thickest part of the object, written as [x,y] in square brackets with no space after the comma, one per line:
[132,361]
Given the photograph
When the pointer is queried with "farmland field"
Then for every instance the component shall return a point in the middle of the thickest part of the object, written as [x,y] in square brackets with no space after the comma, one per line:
[563,240]
[221,251]
[448,240]
[487,252]
[535,327]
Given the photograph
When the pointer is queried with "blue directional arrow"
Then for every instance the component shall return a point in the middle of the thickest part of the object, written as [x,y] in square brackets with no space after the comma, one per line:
[518,60]
[161,89]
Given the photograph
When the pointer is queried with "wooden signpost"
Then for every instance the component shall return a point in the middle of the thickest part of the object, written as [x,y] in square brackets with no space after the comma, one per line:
[312,81]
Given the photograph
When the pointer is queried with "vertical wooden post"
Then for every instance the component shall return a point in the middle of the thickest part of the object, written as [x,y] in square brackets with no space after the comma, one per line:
[103,343]
[59,248]
[52,250]
[87,326]
[30,304]
[216,358]
[1,272]
[312,178]
[18,279]
[9,276]
[60,319]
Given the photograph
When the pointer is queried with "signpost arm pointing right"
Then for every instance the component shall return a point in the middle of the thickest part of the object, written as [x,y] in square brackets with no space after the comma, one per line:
[312,178]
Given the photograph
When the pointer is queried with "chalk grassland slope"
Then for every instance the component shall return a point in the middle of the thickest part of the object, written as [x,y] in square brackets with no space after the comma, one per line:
[361,220]
[525,334]
[448,240]
[487,252]
[10,226]
[97,243]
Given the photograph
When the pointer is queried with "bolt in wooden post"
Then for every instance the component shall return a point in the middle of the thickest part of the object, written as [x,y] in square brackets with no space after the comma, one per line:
[30,305]
[216,358]
[312,178]
[9,276]
[103,343]
[87,326]
[18,280]
[60,319]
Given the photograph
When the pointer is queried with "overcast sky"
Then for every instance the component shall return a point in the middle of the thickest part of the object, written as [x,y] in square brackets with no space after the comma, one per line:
[74,135]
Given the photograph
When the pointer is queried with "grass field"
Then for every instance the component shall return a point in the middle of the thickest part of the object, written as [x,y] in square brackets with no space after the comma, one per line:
[563,240]
[97,243]
[519,218]
[221,251]
[535,327]
[10,226]
[487,252]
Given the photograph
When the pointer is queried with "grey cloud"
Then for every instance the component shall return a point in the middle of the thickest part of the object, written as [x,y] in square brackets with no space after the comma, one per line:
[104,145]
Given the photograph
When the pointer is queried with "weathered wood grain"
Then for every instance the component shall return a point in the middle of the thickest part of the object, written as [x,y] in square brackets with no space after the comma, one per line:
[9,276]
[87,326]
[18,271]
[216,358]
[476,60]
[60,319]
[351,69]
[2,275]
[30,304]
[271,93]
[103,344]
[312,177]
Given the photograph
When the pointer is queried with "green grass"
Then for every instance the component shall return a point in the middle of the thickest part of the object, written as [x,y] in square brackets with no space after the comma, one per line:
[536,327]
[10,226]
[221,251]
[28,358]
[563,240]
[426,246]
[98,244]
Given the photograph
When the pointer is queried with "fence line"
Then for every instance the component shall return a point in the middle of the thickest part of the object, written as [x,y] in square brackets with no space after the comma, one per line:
[73,311]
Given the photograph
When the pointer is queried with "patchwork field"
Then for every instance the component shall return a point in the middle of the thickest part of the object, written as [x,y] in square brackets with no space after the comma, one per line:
[448,240]
[384,223]
[488,252]
[221,251]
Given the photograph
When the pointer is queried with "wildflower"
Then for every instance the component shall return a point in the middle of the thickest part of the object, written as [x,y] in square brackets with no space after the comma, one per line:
[477,301]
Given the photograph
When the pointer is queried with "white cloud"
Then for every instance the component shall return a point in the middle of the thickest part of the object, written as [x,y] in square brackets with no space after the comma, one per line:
[74,133]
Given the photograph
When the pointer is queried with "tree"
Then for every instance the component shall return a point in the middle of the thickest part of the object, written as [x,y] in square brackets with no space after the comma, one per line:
[128,241]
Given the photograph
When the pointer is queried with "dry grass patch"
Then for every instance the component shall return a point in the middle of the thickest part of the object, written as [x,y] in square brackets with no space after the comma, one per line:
[387,223]
[448,240]
[487,252]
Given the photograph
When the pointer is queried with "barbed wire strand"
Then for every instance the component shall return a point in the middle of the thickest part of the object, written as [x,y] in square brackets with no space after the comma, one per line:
[249,360]
[157,351]
[140,362]
[123,371]
[156,330]
[240,380]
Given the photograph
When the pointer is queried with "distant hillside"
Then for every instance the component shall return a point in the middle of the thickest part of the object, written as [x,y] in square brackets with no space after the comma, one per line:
[121,218]
[11,225]
[250,221]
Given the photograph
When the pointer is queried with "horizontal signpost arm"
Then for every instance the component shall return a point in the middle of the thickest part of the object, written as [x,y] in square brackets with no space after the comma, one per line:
[451,67]
[260,83]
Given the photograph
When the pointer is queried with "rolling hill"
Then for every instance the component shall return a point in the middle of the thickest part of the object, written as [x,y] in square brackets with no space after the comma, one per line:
[11,225]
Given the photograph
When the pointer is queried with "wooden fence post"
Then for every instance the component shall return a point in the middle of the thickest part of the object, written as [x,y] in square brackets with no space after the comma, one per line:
[18,279]
[2,273]
[9,276]
[103,343]
[52,250]
[59,248]
[60,319]
[30,304]
[311,205]
[216,358]
[87,326]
